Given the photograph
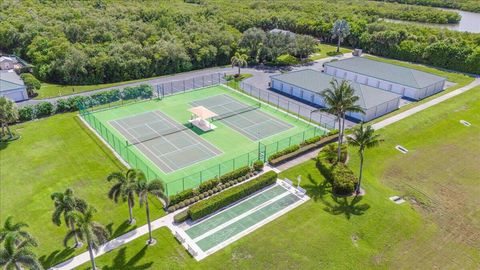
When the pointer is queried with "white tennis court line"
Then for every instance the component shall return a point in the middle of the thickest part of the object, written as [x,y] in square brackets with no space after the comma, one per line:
[199,254]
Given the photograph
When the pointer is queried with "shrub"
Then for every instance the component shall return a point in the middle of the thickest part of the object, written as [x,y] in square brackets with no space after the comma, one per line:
[106,97]
[31,83]
[234,174]
[285,151]
[26,113]
[207,185]
[141,91]
[286,60]
[210,192]
[201,196]
[205,194]
[44,109]
[196,198]
[62,106]
[181,204]
[344,180]
[258,165]
[333,132]
[312,140]
[171,208]
[186,194]
[232,195]
[215,189]
[181,217]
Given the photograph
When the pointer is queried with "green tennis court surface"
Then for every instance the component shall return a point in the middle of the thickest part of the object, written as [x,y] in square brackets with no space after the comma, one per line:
[237,220]
[156,137]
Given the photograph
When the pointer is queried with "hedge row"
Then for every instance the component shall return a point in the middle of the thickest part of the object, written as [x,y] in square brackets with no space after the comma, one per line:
[285,151]
[230,196]
[209,185]
[181,217]
[69,104]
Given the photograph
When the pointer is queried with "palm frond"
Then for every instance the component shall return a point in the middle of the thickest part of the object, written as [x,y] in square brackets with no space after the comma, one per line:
[71,234]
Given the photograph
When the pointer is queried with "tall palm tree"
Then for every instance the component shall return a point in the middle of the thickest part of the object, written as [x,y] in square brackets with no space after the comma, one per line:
[363,138]
[92,232]
[239,60]
[124,188]
[16,231]
[143,189]
[340,30]
[66,203]
[339,99]
[19,255]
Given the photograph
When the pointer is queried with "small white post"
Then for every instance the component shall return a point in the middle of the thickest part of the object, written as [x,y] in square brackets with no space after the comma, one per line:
[299,179]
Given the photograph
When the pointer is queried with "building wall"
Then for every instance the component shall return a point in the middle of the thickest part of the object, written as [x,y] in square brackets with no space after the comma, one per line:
[315,98]
[403,90]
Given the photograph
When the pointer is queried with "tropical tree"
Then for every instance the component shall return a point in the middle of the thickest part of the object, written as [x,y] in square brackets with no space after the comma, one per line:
[17,254]
[143,189]
[339,99]
[66,203]
[16,231]
[8,114]
[363,138]
[239,60]
[124,189]
[340,30]
[94,233]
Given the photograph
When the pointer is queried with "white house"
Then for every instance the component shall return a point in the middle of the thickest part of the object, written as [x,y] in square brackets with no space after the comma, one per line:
[11,86]
[409,83]
[7,63]
[307,86]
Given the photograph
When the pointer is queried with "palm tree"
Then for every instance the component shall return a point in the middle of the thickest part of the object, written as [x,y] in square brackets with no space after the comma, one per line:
[144,188]
[92,232]
[363,138]
[16,231]
[124,188]
[339,99]
[8,114]
[340,30]
[239,60]
[18,254]
[66,203]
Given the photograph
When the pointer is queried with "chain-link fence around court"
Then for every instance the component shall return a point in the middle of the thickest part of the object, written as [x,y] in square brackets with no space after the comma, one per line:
[263,151]
[307,112]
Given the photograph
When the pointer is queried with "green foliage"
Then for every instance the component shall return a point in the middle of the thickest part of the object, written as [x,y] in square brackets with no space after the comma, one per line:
[344,180]
[26,113]
[234,174]
[181,217]
[180,197]
[258,165]
[285,151]
[210,205]
[142,91]
[31,83]
[286,60]
[469,5]
[44,109]
[207,185]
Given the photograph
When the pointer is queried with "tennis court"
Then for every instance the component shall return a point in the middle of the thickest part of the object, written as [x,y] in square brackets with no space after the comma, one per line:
[169,144]
[215,232]
[242,117]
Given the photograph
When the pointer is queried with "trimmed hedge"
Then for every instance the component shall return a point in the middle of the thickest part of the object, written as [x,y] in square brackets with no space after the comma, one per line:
[230,196]
[181,217]
[186,194]
[207,185]
[242,171]
[285,151]
[258,165]
[26,113]
[344,180]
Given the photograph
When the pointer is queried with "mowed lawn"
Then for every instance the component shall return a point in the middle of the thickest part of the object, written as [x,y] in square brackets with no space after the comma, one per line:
[52,155]
[438,228]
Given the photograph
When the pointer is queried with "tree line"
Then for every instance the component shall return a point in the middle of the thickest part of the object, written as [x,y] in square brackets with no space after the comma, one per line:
[92,42]
[468,5]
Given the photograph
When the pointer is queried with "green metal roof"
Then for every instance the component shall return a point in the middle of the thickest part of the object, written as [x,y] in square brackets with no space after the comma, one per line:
[317,82]
[388,72]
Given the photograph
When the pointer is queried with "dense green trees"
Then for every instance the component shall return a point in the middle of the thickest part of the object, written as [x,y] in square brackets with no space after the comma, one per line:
[469,5]
[89,42]
[8,115]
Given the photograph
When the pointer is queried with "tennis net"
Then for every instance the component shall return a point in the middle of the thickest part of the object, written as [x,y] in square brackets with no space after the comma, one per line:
[236,112]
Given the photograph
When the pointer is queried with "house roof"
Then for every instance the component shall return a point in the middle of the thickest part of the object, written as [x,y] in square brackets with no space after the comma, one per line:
[388,72]
[9,80]
[6,58]
[281,31]
[317,82]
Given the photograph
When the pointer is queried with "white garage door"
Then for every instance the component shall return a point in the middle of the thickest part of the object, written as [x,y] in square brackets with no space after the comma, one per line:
[15,96]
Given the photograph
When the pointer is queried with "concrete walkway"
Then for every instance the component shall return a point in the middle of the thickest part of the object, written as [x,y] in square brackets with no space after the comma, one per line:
[425,105]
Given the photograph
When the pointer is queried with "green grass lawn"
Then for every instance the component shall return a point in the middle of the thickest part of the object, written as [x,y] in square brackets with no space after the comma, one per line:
[327,50]
[438,228]
[52,155]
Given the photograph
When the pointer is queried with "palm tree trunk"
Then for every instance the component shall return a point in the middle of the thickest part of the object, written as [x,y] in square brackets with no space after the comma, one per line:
[150,240]
[338,44]
[238,70]
[92,258]
[17,266]
[72,226]
[360,175]
[130,211]
[339,137]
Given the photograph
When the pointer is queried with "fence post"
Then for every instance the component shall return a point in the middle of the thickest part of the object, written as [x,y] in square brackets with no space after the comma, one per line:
[298,113]
[183,183]
[278,102]
[203,81]
[277,146]
[219,170]
[171,86]
[303,136]
[166,188]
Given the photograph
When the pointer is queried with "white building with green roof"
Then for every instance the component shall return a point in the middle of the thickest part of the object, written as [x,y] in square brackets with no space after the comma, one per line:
[409,83]
[307,86]
[11,86]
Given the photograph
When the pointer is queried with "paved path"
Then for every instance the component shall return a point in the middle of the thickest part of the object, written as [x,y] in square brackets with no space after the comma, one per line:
[425,105]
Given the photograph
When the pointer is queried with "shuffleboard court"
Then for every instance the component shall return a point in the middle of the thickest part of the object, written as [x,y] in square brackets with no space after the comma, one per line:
[167,143]
[209,235]
[244,118]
